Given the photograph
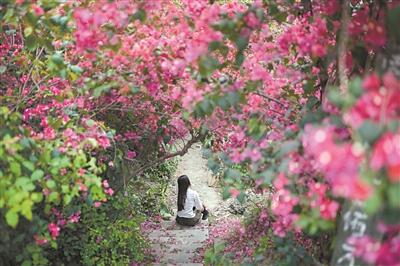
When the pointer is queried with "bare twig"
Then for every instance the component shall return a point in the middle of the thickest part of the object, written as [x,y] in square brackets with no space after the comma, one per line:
[270,98]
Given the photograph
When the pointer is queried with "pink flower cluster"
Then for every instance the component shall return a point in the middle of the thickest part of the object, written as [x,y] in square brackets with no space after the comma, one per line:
[379,252]
[339,162]
[318,195]
[386,153]
[380,101]
[282,204]
[54,230]
[90,34]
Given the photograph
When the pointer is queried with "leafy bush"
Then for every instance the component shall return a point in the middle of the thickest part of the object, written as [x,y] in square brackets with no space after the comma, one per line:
[113,234]
[110,234]
[36,178]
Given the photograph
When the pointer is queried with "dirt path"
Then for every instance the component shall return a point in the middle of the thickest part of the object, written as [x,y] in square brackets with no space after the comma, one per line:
[178,245]
[194,166]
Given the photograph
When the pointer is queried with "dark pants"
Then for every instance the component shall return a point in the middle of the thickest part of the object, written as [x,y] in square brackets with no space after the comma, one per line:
[189,221]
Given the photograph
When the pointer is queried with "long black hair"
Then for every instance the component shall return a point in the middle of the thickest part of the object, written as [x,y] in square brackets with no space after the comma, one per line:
[183,185]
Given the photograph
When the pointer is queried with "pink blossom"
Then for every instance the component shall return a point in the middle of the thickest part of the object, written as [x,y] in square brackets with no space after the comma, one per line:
[251,20]
[109,191]
[328,209]
[338,162]
[74,218]
[253,154]
[54,230]
[97,204]
[81,171]
[375,35]
[38,10]
[372,82]
[40,240]
[234,192]
[281,181]
[130,154]
[386,152]
[49,133]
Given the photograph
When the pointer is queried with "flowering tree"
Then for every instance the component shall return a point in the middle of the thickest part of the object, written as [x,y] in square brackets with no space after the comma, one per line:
[304,94]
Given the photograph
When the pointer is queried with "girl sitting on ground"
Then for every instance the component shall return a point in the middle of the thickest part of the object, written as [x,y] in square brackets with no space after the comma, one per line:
[190,207]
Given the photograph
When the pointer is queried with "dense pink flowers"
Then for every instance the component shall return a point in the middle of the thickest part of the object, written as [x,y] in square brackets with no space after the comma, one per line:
[380,102]
[339,162]
[318,195]
[282,206]
[376,252]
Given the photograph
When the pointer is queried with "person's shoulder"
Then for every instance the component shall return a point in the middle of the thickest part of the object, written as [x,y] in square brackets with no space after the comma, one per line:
[194,192]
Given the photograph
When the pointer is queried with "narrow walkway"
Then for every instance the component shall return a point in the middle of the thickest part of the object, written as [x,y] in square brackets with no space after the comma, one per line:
[176,245]
[195,167]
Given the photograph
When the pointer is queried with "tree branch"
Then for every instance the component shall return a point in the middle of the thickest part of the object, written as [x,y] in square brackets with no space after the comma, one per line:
[343,39]
[162,159]
[270,98]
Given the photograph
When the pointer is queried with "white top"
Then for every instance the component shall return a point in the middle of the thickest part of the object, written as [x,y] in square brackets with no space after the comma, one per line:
[192,200]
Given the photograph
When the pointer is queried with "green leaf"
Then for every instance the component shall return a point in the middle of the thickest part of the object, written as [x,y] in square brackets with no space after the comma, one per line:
[57,58]
[12,218]
[15,168]
[67,199]
[241,43]
[36,197]
[54,196]
[24,183]
[223,103]
[241,197]
[207,65]
[309,88]
[28,165]
[38,174]
[312,102]
[51,183]
[226,194]
[267,176]
[373,203]
[140,15]
[233,97]
[355,87]
[26,263]
[369,131]
[90,122]
[26,209]
[3,69]
[287,147]
[335,97]
[239,59]
[360,54]
[394,195]
[393,21]
[31,42]
[28,31]
[76,69]
[103,89]
[232,173]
